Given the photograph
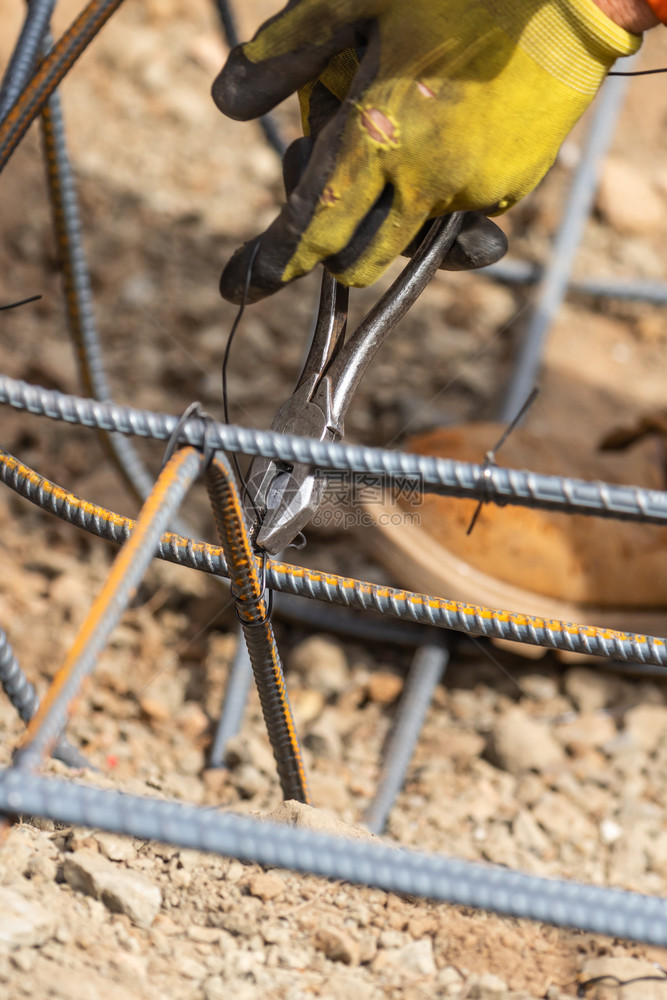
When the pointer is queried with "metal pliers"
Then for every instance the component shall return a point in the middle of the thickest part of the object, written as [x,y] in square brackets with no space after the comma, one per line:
[281,498]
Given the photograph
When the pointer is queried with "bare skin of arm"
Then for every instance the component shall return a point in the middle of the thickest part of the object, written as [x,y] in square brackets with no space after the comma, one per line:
[633,15]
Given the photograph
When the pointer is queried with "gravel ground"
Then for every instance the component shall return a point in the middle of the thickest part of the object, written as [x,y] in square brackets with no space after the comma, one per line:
[551,767]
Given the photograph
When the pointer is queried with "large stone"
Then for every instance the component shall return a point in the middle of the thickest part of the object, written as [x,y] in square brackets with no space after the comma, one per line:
[120,890]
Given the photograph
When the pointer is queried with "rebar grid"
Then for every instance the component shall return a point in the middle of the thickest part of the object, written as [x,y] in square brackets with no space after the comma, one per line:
[570,904]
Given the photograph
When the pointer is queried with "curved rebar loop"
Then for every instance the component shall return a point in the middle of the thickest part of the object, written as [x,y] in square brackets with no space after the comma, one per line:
[24,698]
[126,573]
[247,585]
[471,619]
[26,52]
[50,72]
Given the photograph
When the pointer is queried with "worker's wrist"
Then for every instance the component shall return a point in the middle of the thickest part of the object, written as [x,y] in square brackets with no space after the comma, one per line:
[633,15]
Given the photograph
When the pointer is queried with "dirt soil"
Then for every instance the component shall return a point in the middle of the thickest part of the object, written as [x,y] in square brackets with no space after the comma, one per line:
[557,769]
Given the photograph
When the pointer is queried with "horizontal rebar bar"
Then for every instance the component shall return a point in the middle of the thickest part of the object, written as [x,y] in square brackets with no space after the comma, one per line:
[493,484]
[421,608]
[499,890]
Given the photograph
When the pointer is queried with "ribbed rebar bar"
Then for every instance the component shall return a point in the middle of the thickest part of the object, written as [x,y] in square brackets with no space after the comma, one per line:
[253,611]
[50,72]
[24,698]
[421,608]
[78,296]
[493,484]
[234,703]
[124,577]
[499,890]
[26,52]
[553,284]
[426,671]
[521,272]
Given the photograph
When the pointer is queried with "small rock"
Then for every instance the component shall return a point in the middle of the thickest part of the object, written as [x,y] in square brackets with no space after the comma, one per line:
[563,820]
[190,968]
[610,831]
[486,987]
[120,890]
[588,731]
[646,725]
[23,923]
[307,704]
[114,847]
[384,687]
[519,743]
[627,199]
[588,690]
[415,958]
[621,969]
[216,988]
[266,885]
[322,663]
[337,945]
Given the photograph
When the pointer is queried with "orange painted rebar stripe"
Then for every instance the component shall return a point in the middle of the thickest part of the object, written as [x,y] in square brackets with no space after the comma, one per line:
[115,579]
[241,560]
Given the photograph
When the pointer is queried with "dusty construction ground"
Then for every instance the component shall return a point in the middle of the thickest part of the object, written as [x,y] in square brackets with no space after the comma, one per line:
[168,188]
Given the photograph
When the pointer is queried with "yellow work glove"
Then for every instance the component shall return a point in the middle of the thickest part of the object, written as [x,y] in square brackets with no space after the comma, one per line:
[456,104]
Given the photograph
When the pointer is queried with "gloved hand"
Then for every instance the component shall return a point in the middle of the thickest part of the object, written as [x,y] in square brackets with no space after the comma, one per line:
[456,104]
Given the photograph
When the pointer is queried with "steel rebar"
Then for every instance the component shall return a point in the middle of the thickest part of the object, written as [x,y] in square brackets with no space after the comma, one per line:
[126,573]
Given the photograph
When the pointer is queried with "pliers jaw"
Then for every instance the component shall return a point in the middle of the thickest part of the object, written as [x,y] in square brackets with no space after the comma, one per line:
[281,499]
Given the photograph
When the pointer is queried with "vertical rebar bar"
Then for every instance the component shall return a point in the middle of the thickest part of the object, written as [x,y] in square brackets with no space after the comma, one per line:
[426,671]
[554,282]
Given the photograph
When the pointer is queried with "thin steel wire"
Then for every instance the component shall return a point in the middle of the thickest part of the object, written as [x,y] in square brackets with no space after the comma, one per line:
[432,475]
[426,672]
[358,594]
[499,890]
[126,573]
